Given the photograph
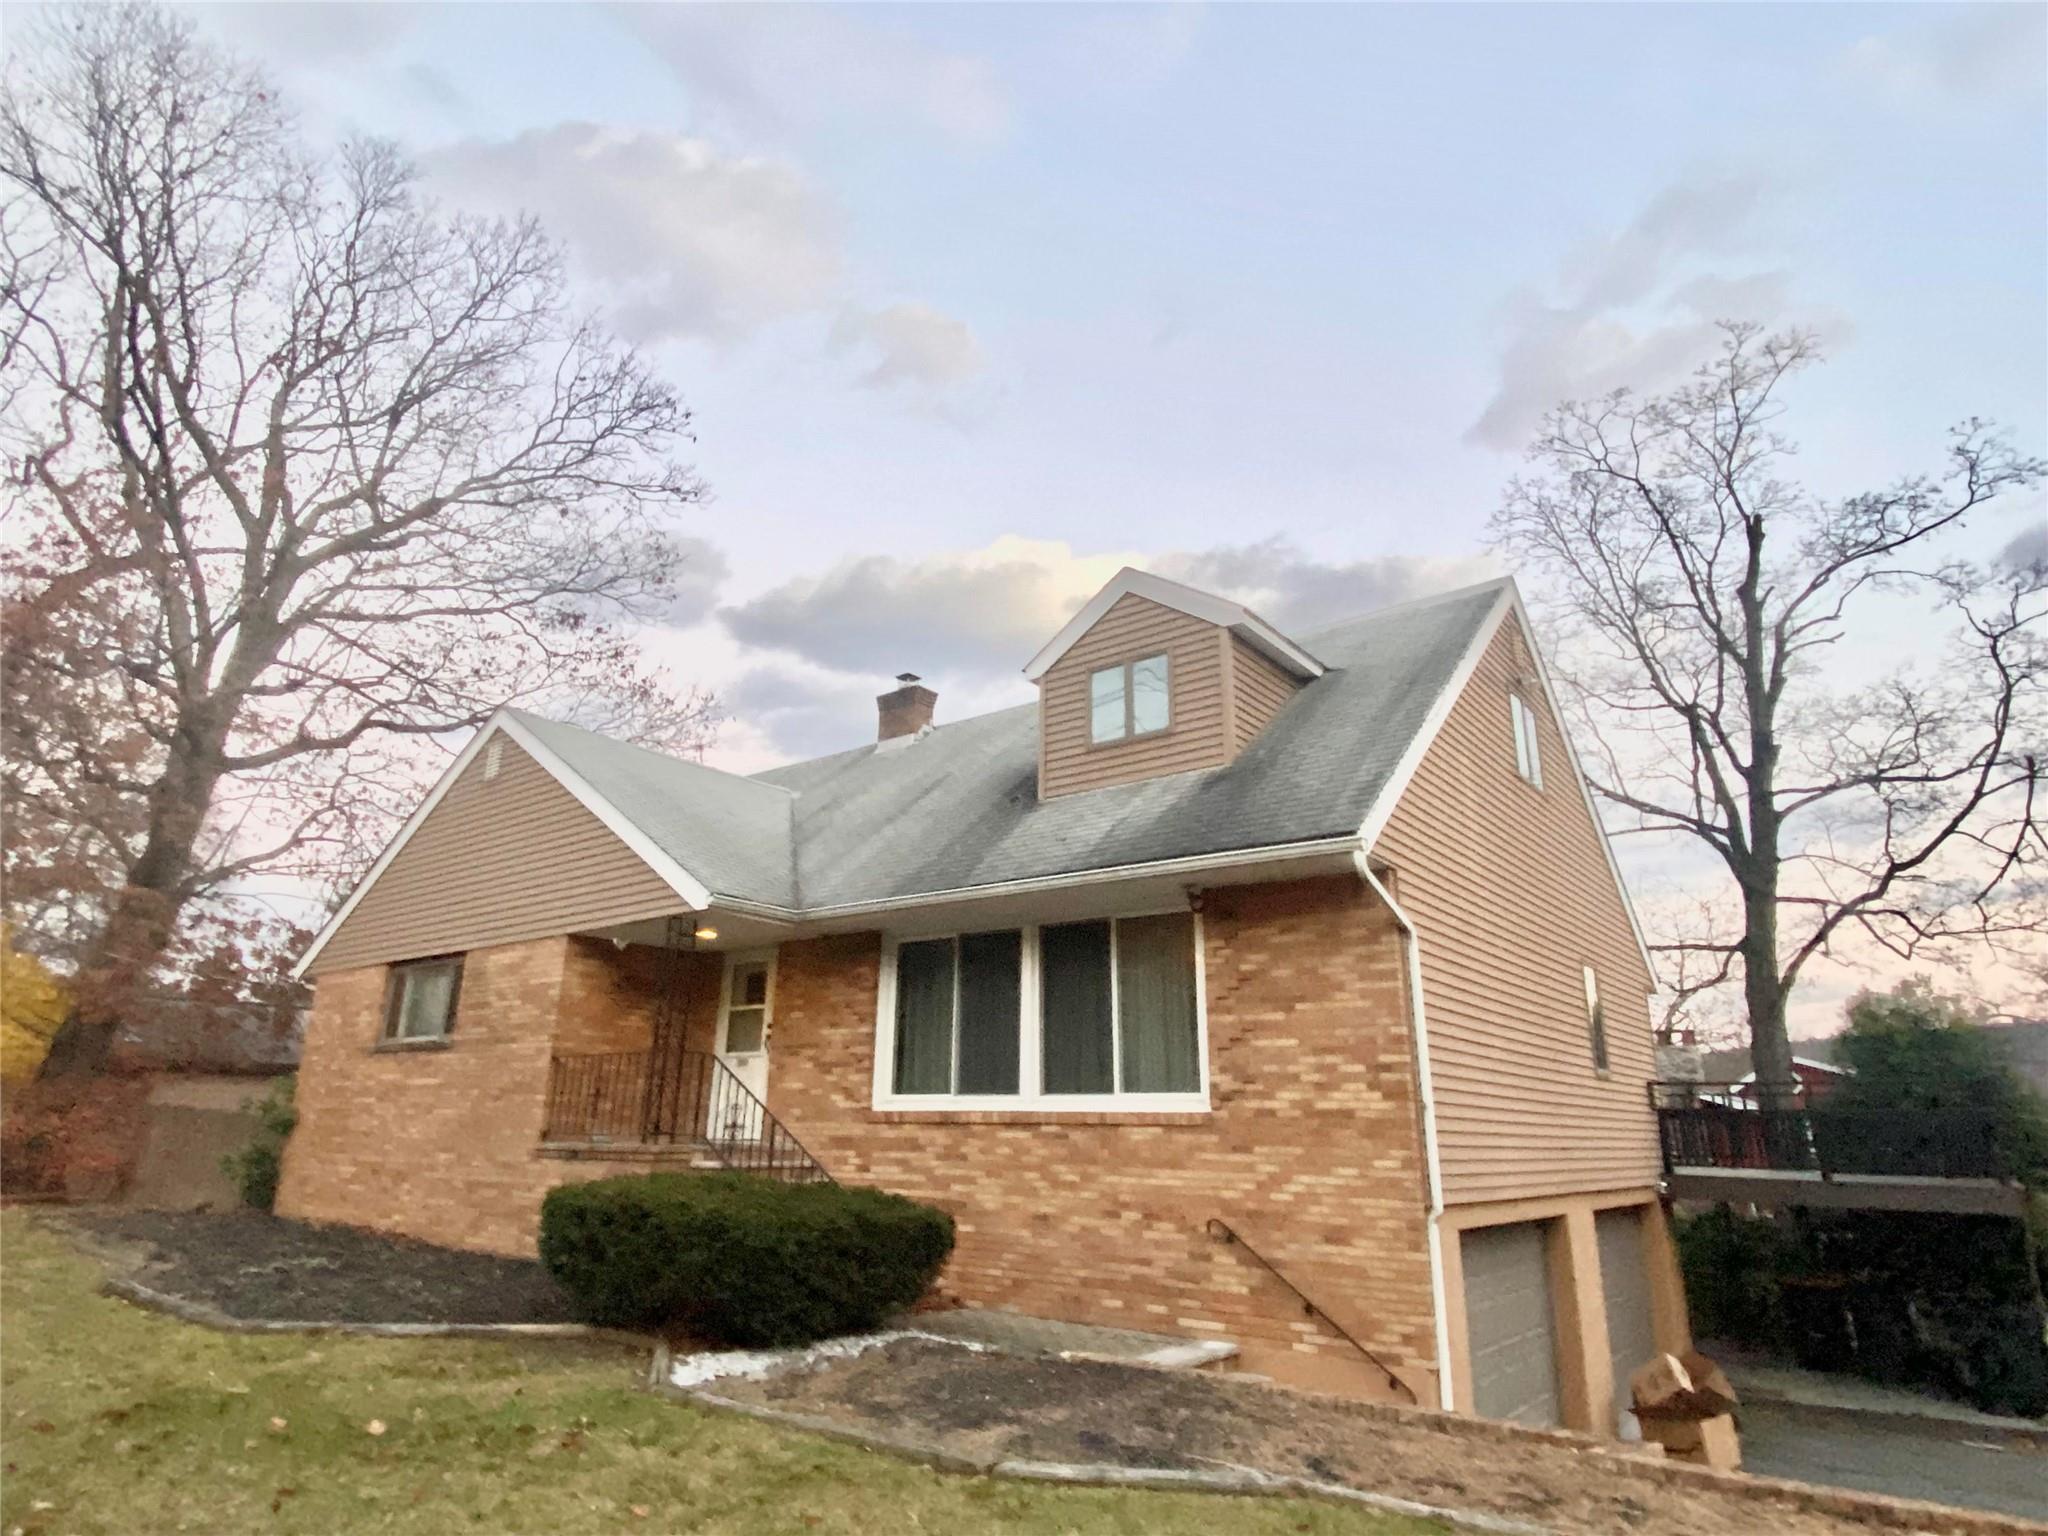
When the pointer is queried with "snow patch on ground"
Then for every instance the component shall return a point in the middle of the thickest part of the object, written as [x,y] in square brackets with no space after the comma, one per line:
[753,1364]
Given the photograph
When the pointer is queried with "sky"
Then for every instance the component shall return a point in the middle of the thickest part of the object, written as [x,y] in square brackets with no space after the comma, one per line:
[975,304]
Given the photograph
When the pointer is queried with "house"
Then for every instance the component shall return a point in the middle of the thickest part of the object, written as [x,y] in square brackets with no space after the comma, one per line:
[1249,986]
[1813,1065]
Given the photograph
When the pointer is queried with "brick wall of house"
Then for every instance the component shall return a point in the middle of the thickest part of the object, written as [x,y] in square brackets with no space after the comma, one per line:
[1312,1149]
[441,1143]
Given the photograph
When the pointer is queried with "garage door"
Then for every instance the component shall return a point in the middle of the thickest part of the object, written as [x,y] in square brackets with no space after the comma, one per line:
[1509,1323]
[1625,1282]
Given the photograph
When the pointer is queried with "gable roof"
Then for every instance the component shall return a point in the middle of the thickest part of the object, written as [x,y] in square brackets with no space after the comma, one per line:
[960,809]
[956,811]
[1221,611]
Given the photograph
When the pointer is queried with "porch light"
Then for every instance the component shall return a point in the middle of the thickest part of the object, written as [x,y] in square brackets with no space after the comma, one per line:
[706,933]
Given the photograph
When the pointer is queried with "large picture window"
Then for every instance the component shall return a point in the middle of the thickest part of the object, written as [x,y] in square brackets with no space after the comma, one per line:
[1069,1015]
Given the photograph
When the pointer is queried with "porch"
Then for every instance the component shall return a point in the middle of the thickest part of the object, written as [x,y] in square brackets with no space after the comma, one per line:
[660,1055]
[1721,1142]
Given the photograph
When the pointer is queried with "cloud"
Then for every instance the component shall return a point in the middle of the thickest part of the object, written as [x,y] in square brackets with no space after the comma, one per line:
[1636,309]
[341,32]
[2028,549]
[775,68]
[699,575]
[1284,585]
[913,344]
[681,238]
[971,619]
[982,610]
[1971,56]
[803,711]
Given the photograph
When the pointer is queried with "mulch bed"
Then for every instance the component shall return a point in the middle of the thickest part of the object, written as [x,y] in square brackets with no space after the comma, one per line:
[1003,1406]
[259,1267]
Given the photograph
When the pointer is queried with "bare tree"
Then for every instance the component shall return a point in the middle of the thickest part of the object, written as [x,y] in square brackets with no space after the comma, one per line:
[1702,603]
[305,470]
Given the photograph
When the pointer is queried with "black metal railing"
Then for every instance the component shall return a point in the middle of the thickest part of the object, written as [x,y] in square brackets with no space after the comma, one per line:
[1222,1230]
[1729,1125]
[671,1098]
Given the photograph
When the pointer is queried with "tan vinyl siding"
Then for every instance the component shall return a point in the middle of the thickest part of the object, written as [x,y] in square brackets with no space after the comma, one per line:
[1133,629]
[1513,896]
[1259,690]
[497,861]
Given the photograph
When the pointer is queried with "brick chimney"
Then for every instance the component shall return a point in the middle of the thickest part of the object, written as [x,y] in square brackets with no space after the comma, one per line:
[907,710]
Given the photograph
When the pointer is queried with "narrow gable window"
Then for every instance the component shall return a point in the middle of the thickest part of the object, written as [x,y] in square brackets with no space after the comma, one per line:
[1596,1021]
[1129,700]
[420,1001]
[1527,762]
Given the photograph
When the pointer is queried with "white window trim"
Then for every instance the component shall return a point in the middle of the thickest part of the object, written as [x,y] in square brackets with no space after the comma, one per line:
[1127,691]
[1528,757]
[1031,1098]
[1596,1026]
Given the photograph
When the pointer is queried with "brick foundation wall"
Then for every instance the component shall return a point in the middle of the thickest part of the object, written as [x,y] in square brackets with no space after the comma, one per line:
[1312,1149]
[441,1144]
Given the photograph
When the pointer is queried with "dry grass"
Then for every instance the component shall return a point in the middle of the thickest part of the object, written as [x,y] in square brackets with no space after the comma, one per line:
[115,1420]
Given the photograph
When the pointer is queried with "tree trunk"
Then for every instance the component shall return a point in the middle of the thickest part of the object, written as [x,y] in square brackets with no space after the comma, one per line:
[1763,993]
[113,976]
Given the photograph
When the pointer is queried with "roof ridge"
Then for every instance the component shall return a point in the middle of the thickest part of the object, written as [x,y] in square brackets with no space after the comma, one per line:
[669,758]
[1470,589]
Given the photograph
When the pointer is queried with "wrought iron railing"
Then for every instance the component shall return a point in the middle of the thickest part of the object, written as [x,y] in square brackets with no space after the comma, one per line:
[673,1098]
[1728,1125]
[1222,1230]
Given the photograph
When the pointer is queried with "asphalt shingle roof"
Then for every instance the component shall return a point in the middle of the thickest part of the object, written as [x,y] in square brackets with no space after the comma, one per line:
[959,806]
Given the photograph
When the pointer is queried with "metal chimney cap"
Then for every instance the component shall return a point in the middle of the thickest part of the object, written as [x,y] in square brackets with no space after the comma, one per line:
[907,678]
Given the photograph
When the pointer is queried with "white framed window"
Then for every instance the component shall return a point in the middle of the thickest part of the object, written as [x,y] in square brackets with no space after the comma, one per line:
[1133,699]
[420,998]
[1522,719]
[1596,1021]
[1105,1013]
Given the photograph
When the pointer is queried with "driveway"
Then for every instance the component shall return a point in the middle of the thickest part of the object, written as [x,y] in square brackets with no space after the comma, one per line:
[1912,1458]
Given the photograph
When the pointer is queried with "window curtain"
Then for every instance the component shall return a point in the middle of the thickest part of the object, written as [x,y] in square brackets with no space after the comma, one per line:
[991,973]
[1155,981]
[924,1017]
[1074,966]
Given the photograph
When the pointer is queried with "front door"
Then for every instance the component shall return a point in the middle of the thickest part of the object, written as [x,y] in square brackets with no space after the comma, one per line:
[746,1014]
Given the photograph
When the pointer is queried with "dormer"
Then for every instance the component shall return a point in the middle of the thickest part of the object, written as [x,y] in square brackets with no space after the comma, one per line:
[1152,678]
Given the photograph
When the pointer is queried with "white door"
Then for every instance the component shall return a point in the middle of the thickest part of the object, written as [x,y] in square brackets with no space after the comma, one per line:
[745,1017]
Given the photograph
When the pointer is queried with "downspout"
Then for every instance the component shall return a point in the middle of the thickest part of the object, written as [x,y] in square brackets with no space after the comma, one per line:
[1411,946]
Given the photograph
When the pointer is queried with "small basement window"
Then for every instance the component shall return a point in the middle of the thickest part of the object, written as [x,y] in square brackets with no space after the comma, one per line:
[420,1001]
[1523,720]
[1129,700]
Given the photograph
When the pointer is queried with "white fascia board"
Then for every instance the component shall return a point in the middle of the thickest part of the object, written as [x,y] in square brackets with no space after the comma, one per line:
[1189,600]
[1382,811]
[678,879]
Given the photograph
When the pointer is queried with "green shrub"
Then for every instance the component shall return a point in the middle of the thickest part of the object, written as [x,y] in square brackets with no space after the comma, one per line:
[255,1168]
[737,1258]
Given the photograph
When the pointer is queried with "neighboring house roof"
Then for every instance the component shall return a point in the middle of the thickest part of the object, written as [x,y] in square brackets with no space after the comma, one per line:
[957,809]
[1235,617]
[1735,1066]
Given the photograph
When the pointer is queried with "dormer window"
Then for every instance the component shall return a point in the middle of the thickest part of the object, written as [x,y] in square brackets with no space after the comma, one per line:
[1129,700]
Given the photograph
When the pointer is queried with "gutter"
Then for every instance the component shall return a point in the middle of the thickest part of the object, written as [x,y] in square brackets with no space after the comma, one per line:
[1200,863]
[1411,945]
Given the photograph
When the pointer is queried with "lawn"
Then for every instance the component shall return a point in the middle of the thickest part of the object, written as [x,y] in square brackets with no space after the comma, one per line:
[115,1420]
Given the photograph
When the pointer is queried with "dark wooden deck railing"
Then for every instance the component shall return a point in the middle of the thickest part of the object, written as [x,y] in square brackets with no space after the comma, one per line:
[691,1099]
[1723,1125]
